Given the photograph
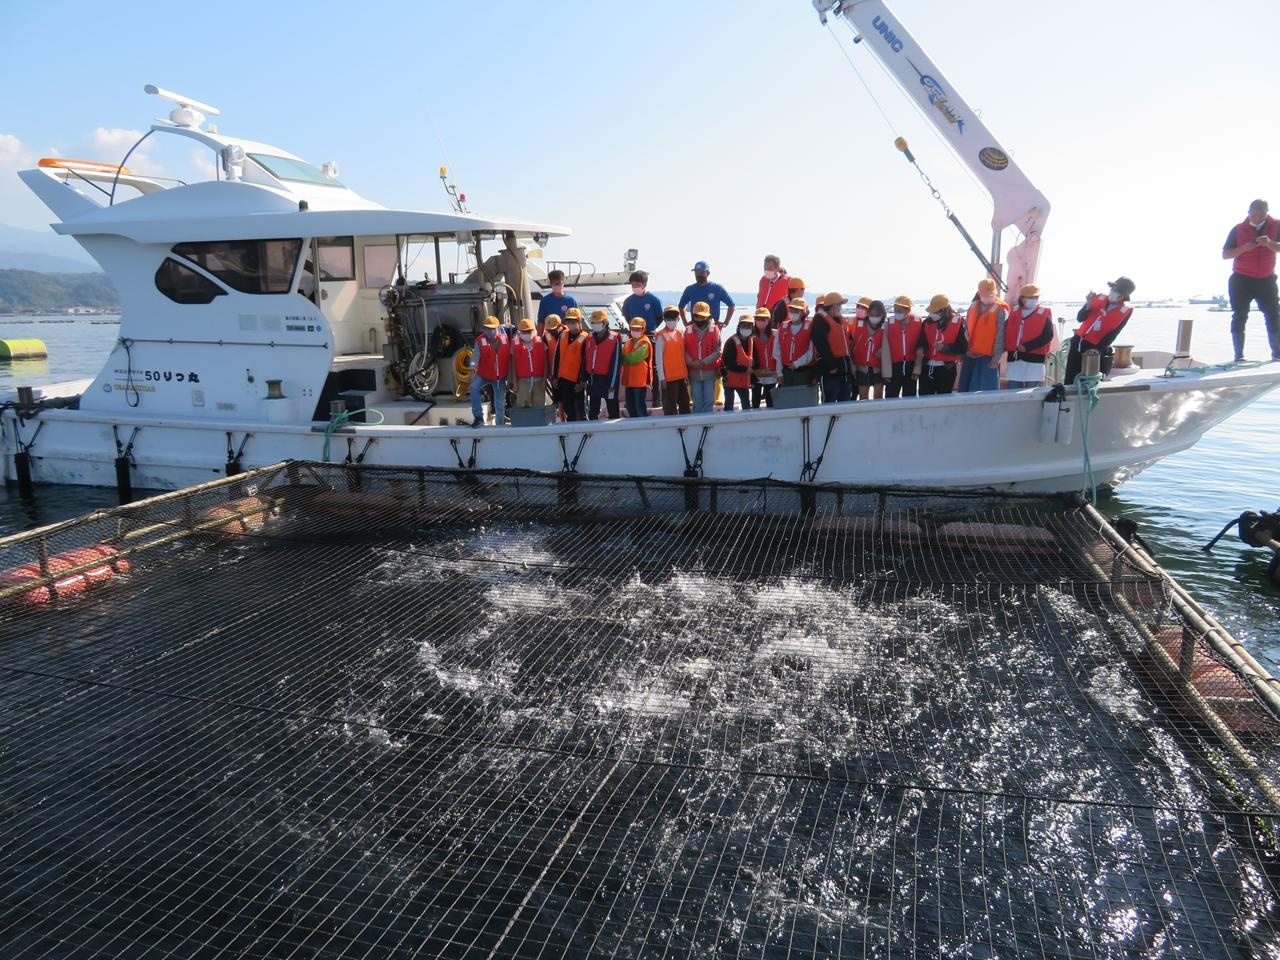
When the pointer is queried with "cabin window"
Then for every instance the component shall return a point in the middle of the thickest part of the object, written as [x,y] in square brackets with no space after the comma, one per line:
[181,284]
[337,258]
[297,171]
[380,260]
[250,266]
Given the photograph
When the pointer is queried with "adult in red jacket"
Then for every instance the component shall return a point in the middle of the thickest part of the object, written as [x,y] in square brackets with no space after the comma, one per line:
[1028,335]
[1252,245]
[1101,320]
[774,284]
[490,364]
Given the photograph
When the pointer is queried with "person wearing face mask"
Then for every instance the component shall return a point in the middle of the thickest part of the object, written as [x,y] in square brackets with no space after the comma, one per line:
[793,346]
[869,354]
[557,301]
[944,345]
[1252,244]
[529,366]
[765,376]
[831,345]
[984,330]
[642,303]
[670,366]
[853,323]
[490,364]
[1028,337]
[637,368]
[568,367]
[905,335]
[601,364]
[702,290]
[1101,319]
[795,291]
[702,355]
[738,359]
[774,284]
[550,334]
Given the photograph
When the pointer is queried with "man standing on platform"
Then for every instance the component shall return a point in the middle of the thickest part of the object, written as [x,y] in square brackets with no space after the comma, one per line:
[1253,244]
[702,290]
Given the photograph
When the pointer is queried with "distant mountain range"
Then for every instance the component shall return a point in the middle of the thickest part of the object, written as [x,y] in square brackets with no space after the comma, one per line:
[42,250]
[31,292]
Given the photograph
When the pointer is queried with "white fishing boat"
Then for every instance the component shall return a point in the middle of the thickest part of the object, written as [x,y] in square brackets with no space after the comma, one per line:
[253,301]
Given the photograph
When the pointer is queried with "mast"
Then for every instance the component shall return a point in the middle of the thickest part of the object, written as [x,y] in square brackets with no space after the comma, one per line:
[1016,200]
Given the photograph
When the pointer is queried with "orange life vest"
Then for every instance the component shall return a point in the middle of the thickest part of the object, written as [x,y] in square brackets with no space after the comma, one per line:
[744,358]
[637,374]
[982,322]
[673,362]
[570,357]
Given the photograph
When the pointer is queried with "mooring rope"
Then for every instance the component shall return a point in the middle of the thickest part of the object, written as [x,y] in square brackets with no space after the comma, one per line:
[1087,391]
[341,419]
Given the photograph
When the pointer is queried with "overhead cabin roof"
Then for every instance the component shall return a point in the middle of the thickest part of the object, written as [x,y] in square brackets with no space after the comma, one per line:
[227,210]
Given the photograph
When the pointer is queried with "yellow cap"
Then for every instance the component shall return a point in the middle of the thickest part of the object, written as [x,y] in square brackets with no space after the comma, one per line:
[904,302]
[833,299]
[701,310]
[573,313]
[864,303]
[637,323]
[1029,290]
[939,302]
[492,323]
[798,304]
[527,325]
[599,316]
[987,287]
[762,313]
[553,321]
[671,310]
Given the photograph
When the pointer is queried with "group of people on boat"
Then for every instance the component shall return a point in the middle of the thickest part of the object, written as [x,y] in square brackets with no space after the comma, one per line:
[674,355]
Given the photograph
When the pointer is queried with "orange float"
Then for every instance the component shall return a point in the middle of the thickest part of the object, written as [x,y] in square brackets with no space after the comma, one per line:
[112,565]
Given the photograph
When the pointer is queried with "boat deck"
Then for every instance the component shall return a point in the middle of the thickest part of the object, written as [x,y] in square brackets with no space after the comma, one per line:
[337,712]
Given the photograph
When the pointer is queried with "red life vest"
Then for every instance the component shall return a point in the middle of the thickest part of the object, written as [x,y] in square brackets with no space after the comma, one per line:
[936,336]
[1258,262]
[764,349]
[904,337]
[600,355]
[867,345]
[495,357]
[701,347]
[793,344]
[745,357]
[1018,329]
[1103,319]
[771,291]
[529,359]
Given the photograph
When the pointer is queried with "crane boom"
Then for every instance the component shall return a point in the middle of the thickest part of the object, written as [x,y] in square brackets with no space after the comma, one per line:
[1016,200]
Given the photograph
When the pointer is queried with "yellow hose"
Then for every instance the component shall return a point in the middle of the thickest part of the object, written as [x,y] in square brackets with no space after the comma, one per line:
[462,372]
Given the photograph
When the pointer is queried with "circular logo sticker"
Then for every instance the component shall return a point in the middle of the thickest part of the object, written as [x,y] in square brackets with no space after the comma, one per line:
[106,388]
[993,158]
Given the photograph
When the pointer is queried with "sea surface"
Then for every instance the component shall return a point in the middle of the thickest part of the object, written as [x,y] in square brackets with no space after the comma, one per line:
[1179,504]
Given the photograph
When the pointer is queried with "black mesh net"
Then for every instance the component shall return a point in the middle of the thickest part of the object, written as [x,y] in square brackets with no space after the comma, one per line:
[325,712]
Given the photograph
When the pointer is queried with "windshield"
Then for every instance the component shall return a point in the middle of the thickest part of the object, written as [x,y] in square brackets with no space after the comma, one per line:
[299,171]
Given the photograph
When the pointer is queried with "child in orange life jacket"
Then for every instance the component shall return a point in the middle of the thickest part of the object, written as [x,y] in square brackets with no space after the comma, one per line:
[868,354]
[529,366]
[905,334]
[738,359]
[831,345]
[669,364]
[601,364]
[637,369]
[1028,336]
[857,321]
[944,346]
[568,367]
[793,346]
[765,376]
[1101,320]
[985,330]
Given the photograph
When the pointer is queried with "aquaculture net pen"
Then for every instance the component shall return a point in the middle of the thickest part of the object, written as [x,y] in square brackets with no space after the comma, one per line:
[323,711]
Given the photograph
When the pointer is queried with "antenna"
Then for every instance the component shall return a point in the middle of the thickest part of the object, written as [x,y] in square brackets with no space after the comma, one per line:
[188,113]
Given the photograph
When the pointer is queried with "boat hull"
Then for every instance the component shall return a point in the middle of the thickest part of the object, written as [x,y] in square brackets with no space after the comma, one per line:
[973,441]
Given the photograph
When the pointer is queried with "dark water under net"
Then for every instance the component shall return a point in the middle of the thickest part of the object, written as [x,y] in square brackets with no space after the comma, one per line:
[504,718]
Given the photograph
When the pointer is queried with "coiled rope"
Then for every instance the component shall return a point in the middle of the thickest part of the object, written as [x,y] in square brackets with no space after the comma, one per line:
[342,419]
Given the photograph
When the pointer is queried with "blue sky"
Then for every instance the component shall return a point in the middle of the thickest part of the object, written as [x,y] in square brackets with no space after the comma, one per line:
[720,130]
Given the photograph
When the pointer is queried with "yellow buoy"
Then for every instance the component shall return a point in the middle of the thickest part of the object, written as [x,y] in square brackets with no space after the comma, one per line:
[25,349]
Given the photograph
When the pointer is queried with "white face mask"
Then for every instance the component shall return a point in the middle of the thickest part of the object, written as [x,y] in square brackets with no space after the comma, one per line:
[771,275]
[598,327]
[1258,224]
[875,321]
[527,337]
[669,324]
[797,319]
[987,301]
[637,334]
[935,317]
[1114,297]
[1030,303]
[744,332]
[899,315]
[637,288]
[558,289]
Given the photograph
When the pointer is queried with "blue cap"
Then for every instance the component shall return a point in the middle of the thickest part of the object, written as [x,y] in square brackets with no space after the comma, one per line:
[702,265]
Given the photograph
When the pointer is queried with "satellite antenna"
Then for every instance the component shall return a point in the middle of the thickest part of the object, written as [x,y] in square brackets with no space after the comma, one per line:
[188,112]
